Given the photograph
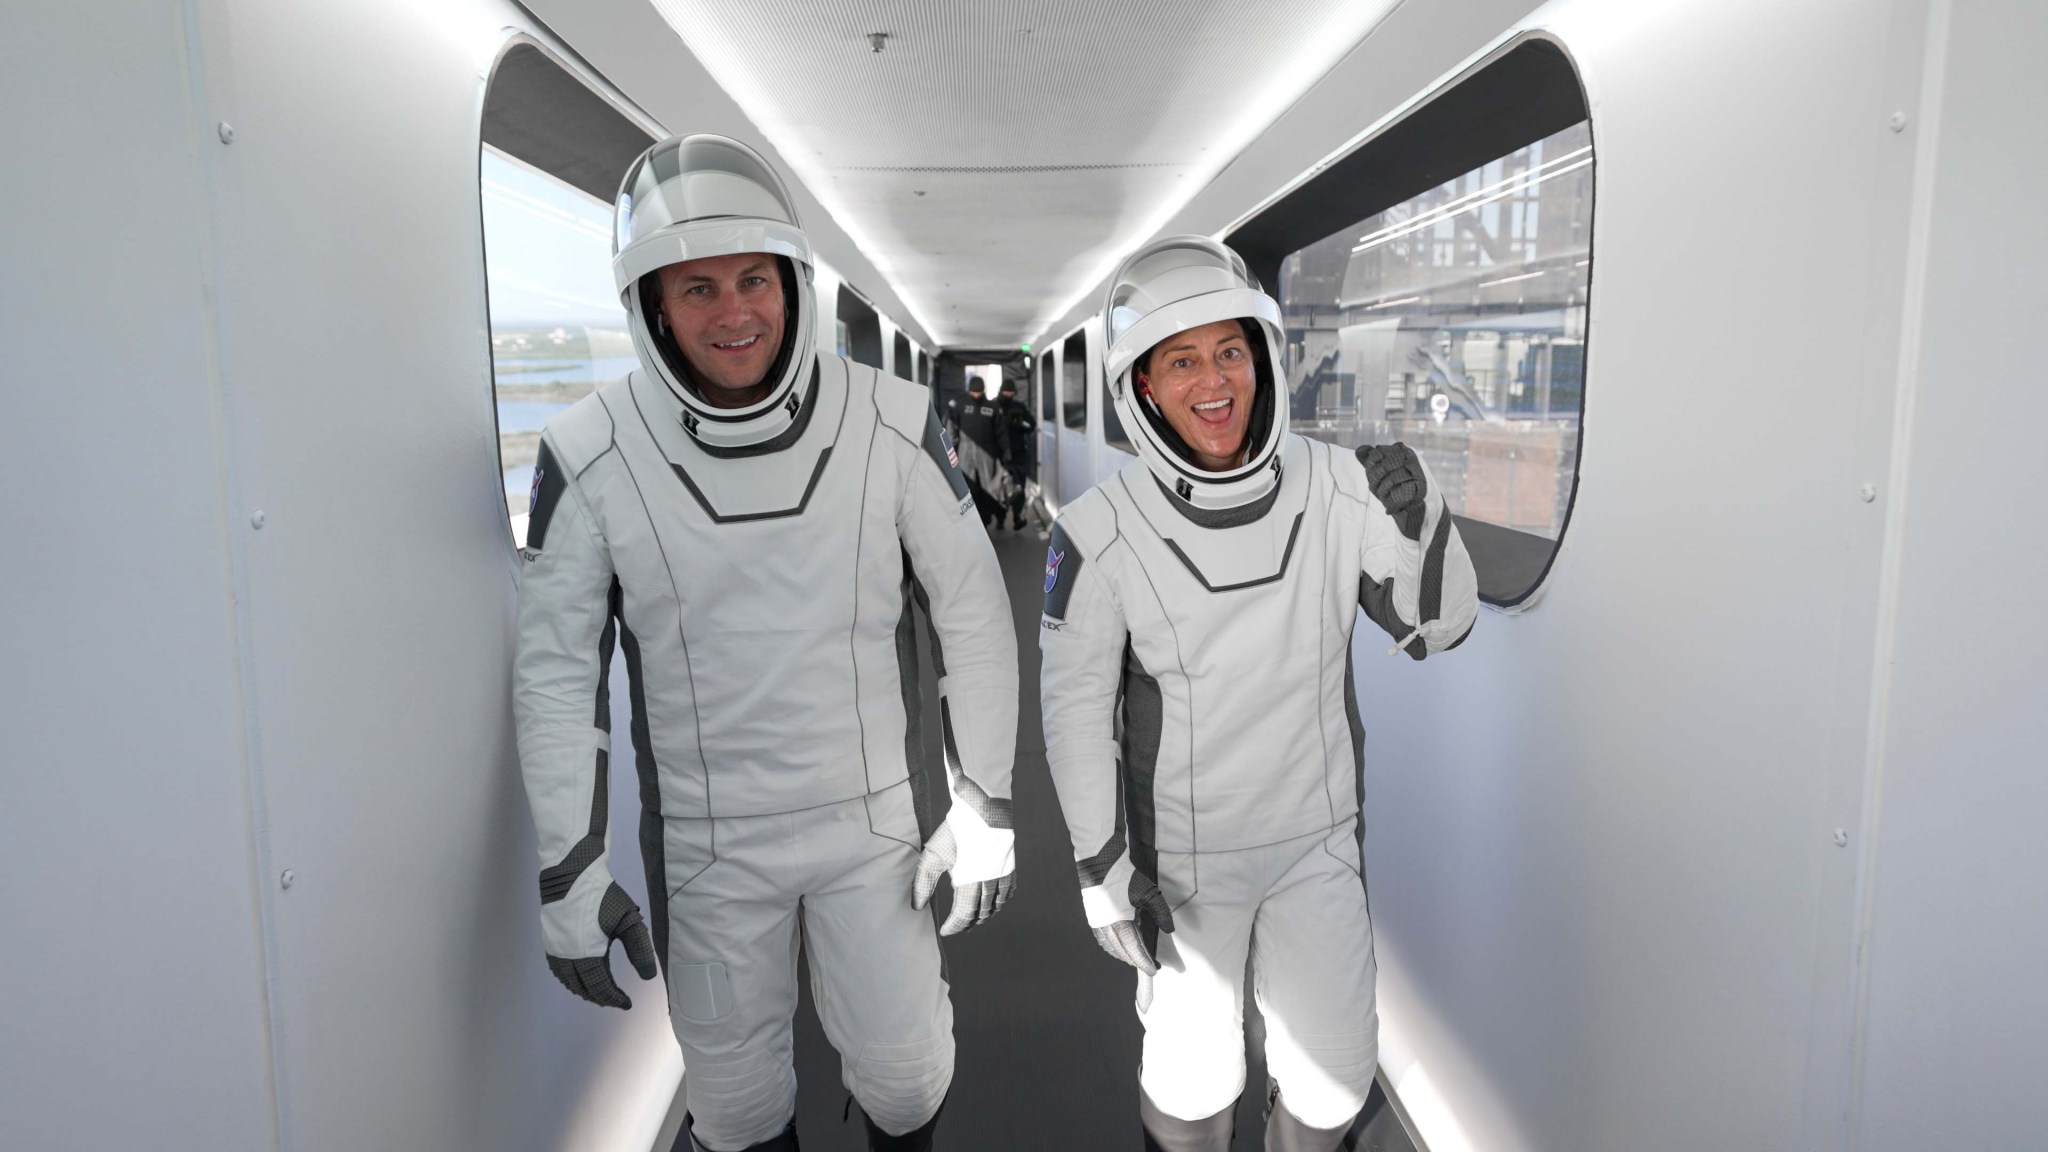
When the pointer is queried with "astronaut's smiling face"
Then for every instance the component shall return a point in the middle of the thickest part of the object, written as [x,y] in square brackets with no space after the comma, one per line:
[1203,381]
[727,315]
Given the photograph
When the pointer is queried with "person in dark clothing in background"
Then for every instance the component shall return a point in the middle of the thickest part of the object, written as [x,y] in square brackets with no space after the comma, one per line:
[1016,435]
[980,451]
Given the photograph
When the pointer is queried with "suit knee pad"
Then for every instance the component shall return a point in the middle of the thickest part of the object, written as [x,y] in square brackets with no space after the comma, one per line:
[900,1086]
[1190,1073]
[739,1101]
[1324,1078]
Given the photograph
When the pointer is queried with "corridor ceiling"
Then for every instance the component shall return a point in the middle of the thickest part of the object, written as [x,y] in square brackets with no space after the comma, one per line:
[994,160]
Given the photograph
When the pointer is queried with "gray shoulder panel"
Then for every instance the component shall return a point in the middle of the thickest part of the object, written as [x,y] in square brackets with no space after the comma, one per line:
[583,431]
[900,404]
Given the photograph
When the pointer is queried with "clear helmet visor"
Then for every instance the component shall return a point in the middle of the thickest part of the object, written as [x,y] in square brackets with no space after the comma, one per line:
[693,198]
[1174,285]
[687,179]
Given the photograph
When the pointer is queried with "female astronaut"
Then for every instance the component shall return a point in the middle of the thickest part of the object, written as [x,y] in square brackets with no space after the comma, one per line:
[1199,717]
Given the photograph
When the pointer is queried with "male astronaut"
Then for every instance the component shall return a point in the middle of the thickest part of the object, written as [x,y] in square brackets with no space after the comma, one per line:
[752,522]
[1199,717]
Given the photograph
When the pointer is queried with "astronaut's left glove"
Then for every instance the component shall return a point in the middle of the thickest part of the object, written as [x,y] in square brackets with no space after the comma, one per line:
[982,859]
[1397,480]
[590,977]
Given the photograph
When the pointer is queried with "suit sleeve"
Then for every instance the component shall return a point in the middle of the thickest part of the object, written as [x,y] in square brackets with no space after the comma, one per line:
[1423,592]
[1081,638]
[561,708]
[974,644]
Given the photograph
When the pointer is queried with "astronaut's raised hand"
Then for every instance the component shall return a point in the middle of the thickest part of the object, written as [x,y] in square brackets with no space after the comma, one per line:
[1120,908]
[1398,481]
[982,859]
[590,977]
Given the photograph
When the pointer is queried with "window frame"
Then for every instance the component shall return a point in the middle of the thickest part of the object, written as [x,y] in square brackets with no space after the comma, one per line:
[1526,90]
[576,148]
[1073,385]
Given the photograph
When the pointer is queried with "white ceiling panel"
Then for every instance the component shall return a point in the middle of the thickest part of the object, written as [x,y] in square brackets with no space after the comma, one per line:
[994,159]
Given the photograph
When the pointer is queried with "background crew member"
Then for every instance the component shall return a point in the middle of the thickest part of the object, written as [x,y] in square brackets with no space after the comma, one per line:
[751,522]
[1016,435]
[979,443]
[1199,716]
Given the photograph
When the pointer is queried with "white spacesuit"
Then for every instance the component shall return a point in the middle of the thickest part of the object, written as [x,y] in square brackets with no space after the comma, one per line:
[759,566]
[1200,722]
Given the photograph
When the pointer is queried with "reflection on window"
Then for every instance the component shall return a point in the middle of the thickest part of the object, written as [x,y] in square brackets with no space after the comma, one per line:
[1074,382]
[557,330]
[1456,322]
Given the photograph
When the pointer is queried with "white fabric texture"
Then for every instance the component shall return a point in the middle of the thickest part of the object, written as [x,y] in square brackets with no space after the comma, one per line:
[1296,911]
[767,642]
[1246,632]
[835,879]
[762,599]
[1201,733]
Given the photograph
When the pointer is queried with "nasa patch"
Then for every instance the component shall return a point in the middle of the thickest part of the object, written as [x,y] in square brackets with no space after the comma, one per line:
[1062,568]
[548,484]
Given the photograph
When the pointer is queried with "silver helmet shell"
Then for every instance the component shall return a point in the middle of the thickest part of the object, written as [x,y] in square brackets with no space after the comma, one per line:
[689,197]
[1168,286]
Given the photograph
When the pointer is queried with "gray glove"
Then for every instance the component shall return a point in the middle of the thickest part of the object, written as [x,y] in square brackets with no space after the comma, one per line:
[591,976]
[1128,928]
[983,861]
[1397,480]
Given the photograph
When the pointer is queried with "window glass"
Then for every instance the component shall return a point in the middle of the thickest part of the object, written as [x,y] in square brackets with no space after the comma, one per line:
[557,329]
[1074,381]
[1455,321]
[861,337]
[900,350]
[1048,401]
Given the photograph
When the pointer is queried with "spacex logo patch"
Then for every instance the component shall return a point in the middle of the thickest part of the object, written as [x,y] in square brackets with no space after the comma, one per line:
[1052,568]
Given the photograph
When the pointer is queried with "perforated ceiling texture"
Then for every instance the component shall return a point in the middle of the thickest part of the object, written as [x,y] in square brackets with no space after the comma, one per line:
[994,158]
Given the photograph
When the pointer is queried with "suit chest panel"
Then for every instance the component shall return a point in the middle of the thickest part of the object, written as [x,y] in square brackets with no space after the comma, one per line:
[793,573]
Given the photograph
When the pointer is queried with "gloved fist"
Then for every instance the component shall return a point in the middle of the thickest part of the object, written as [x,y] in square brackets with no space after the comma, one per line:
[1127,912]
[1397,480]
[591,977]
[982,859]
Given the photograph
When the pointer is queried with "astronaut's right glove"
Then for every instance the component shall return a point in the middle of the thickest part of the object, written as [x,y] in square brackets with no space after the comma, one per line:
[1127,912]
[980,850]
[1397,480]
[590,977]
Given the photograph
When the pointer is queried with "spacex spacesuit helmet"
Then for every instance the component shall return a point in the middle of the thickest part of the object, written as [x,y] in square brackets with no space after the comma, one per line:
[1171,285]
[689,197]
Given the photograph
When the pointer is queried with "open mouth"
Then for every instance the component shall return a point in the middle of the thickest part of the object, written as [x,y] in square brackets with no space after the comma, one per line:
[1215,411]
[737,345]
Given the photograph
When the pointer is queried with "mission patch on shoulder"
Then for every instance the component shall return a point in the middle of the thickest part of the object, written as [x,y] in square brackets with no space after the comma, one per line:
[1062,567]
[548,483]
[940,449]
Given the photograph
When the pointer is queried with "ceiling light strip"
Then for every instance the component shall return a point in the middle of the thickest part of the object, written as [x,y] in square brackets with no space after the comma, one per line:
[1321,48]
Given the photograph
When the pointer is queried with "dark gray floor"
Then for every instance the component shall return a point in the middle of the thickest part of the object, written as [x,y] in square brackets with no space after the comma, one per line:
[1047,1036]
